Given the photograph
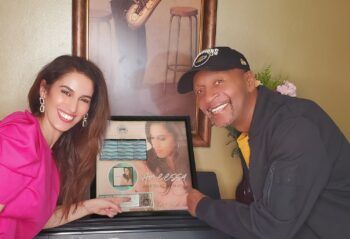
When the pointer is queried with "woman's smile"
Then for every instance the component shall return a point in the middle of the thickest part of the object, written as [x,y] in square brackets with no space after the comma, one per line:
[65,116]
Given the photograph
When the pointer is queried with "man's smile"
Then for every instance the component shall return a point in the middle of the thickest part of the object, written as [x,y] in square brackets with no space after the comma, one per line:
[218,108]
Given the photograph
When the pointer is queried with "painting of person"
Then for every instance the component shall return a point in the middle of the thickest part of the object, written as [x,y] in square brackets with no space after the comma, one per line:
[130,41]
[166,172]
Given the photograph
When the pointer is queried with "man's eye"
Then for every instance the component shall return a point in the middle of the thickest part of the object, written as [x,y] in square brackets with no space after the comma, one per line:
[218,82]
[199,91]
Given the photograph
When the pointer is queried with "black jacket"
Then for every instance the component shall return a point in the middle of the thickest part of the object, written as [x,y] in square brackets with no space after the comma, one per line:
[299,174]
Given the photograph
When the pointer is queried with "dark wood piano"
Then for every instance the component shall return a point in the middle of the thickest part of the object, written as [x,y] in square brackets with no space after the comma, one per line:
[145,227]
[175,226]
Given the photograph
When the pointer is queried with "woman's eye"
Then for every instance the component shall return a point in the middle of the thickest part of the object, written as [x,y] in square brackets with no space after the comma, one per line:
[66,92]
[87,101]
[162,138]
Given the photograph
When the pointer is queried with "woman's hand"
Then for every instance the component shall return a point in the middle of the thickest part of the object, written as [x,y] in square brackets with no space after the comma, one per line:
[104,206]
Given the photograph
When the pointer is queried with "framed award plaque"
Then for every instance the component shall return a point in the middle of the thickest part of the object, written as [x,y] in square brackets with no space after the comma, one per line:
[149,160]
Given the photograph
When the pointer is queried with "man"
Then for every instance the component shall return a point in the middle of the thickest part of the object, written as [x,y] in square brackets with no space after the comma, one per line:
[299,163]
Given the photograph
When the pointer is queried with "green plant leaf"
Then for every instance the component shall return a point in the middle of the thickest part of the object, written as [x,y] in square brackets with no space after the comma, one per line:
[267,80]
[233,133]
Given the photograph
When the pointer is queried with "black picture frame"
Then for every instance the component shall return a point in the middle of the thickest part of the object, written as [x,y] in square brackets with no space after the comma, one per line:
[130,132]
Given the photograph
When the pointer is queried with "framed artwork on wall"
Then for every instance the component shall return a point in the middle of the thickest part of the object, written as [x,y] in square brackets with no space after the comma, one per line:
[143,48]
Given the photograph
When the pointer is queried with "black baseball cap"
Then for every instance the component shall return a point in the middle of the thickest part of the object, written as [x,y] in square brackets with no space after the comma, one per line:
[212,59]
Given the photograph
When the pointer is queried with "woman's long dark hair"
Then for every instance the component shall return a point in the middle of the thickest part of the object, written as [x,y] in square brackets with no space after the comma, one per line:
[76,150]
[181,161]
[127,176]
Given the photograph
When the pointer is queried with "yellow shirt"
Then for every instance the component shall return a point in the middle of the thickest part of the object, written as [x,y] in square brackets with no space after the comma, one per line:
[243,145]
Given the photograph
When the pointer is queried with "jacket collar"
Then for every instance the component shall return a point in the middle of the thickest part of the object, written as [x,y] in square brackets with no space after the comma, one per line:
[266,104]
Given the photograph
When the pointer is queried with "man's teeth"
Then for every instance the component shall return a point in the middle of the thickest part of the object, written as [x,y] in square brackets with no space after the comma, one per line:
[66,116]
[218,108]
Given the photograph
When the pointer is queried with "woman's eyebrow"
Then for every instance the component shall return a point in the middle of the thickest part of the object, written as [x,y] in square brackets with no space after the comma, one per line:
[67,87]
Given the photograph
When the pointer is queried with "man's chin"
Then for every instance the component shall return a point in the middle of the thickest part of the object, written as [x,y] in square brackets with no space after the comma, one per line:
[220,122]
[221,125]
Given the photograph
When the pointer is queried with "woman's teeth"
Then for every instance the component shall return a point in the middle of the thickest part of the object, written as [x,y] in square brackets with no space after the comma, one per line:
[65,116]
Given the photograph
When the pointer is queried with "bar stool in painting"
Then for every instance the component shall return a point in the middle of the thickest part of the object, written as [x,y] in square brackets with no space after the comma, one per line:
[176,66]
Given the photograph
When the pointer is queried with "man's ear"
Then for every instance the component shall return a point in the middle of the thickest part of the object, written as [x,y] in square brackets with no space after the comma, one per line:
[250,80]
[43,89]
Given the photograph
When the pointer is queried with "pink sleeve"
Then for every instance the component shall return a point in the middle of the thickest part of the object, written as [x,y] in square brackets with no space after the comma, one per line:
[19,162]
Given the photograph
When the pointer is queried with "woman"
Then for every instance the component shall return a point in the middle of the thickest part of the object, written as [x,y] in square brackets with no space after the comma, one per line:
[127,176]
[168,162]
[123,177]
[51,151]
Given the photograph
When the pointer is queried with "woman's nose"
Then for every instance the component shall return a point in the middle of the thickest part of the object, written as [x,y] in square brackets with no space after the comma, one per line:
[73,105]
[155,144]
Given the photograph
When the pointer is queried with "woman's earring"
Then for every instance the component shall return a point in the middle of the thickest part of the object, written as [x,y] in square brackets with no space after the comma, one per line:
[42,104]
[84,123]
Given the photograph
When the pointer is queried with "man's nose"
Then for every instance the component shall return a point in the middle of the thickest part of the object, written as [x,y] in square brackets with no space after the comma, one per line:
[211,94]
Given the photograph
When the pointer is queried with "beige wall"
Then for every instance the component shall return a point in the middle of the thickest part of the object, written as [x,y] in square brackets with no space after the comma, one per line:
[32,33]
[306,40]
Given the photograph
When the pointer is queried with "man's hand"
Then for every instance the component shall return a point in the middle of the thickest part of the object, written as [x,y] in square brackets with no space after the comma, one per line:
[193,198]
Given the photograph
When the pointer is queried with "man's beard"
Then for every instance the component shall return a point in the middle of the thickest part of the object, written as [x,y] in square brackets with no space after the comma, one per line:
[219,123]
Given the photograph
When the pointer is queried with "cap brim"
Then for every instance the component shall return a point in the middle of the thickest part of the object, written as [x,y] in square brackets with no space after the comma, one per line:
[185,83]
